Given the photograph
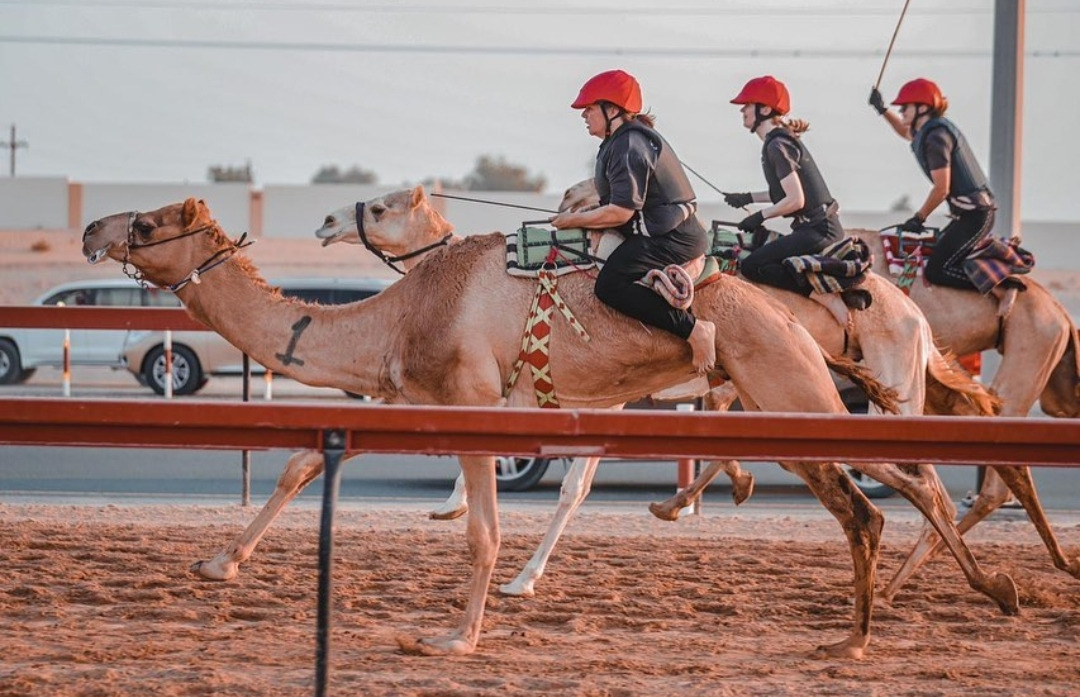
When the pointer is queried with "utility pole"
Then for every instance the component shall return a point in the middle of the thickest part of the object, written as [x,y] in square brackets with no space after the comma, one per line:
[13,144]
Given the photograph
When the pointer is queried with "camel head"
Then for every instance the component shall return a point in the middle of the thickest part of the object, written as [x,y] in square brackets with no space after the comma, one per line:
[396,223]
[160,244]
[580,197]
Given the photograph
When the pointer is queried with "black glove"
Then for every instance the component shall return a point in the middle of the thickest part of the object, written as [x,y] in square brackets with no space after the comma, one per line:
[752,222]
[738,200]
[913,224]
[876,101]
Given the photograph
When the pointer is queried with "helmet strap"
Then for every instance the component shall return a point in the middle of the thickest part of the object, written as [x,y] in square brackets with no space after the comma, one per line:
[760,116]
[921,110]
[608,118]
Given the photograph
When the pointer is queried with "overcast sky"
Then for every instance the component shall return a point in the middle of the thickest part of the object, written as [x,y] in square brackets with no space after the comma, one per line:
[159,90]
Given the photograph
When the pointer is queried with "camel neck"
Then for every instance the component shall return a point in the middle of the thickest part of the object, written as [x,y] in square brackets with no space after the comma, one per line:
[343,346]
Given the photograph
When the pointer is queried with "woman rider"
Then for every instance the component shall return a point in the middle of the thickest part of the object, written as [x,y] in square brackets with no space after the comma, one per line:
[646,196]
[945,157]
[796,188]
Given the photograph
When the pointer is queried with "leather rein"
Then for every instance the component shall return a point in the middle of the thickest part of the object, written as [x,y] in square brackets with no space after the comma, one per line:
[217,258]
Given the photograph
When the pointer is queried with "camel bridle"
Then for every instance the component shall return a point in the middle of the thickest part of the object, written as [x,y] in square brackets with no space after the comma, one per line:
[195,277]
[389,260]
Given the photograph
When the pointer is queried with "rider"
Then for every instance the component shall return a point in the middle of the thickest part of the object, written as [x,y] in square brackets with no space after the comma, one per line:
[646,196]
[796,188]
[945,157]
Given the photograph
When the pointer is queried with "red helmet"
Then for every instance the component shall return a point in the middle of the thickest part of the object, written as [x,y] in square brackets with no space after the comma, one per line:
[765,90]
[920,91]
[615,86]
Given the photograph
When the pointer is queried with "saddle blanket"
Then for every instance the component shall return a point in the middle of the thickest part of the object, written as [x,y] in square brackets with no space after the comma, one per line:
[904,250]
[993,260]
[839,266]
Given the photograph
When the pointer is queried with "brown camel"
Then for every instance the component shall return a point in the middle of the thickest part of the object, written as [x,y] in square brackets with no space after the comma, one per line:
[417,342]
[1039,343]
[1040,359]
[892,338]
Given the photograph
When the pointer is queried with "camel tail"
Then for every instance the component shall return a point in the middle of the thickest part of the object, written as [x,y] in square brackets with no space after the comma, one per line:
[951,391]
[885,397]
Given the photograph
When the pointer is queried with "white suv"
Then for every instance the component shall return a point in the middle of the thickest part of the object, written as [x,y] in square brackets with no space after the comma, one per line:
[199,355]
[22,351]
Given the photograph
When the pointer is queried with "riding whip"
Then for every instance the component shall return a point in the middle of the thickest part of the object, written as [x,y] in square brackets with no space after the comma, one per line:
[493,203]
[891,42]
[707,182]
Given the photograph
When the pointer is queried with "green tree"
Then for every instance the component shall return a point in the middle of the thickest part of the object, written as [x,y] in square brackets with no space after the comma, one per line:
[496,174]
[230,173]
[332,174]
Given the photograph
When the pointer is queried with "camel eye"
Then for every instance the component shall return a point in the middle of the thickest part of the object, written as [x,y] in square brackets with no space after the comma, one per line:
[142,228]
[377,209]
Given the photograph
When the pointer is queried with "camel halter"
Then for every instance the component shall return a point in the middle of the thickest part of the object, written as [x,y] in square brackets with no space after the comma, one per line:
[388,260]
[218,257]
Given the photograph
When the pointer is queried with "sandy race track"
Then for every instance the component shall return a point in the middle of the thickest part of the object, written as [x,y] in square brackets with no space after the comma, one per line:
[99,601]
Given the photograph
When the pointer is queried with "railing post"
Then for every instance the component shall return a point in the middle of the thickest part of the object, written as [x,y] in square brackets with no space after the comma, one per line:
[245,455]
[333,452]
[168,365]
[66,381]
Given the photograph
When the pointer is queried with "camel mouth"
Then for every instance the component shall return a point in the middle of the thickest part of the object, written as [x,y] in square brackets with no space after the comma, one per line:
[97,255]
[330,238]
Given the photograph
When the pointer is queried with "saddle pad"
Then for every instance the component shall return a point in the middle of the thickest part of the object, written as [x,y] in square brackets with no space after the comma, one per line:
[532,248]
[907,251]
[727,244]
[839,266]
[994,259]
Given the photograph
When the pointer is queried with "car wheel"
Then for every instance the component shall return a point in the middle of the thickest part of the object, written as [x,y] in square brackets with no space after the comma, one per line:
[869,486]
[187,375]
[11,371]
[519,473]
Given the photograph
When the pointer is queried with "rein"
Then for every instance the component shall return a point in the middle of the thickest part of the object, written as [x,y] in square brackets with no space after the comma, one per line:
[388,260]
[217,258]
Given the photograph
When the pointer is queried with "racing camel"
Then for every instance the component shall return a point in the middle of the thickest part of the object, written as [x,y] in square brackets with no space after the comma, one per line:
[417,342]
[892,338]
[1039,343]
[1040,360]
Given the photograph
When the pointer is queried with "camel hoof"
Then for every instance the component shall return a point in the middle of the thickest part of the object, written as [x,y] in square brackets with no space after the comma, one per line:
[518,589]
[1073,569]
[1002,588]
[448,646]
[666,510]
[215,570]
[742,487]
[451,514]
[849,648]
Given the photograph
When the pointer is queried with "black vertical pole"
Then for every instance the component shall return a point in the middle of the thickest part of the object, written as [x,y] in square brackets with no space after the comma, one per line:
[245,455]
[333,452]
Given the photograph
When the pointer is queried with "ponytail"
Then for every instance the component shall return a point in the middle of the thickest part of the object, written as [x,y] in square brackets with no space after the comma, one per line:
[796,126]
[646,119]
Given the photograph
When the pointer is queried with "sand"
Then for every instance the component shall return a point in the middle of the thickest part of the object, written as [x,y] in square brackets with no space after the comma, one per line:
[99,600]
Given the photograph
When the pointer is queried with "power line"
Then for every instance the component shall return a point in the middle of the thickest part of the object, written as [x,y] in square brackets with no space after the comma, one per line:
[507,50]
[14,145]
[249,5]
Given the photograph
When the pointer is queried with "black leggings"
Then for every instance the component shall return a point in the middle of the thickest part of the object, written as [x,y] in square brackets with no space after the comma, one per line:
[945,267]
[616,287]
[764,264]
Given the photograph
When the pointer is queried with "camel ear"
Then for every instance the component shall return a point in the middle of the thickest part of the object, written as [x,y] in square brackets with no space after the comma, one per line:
[190,212]
[417,196]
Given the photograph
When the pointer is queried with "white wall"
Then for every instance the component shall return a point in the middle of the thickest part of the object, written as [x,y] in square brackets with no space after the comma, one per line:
[295,212]
[230,203]
[33,203]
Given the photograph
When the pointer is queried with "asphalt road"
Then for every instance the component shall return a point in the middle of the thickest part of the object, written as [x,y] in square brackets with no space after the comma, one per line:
[129,475]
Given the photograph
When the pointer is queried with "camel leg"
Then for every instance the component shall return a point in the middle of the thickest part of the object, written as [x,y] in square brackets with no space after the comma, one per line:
[862,523]
[920,485]
[742,484]
[575,487]
[995,491]
[456,505]
[301,469]
[482,533]
[1019,481]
